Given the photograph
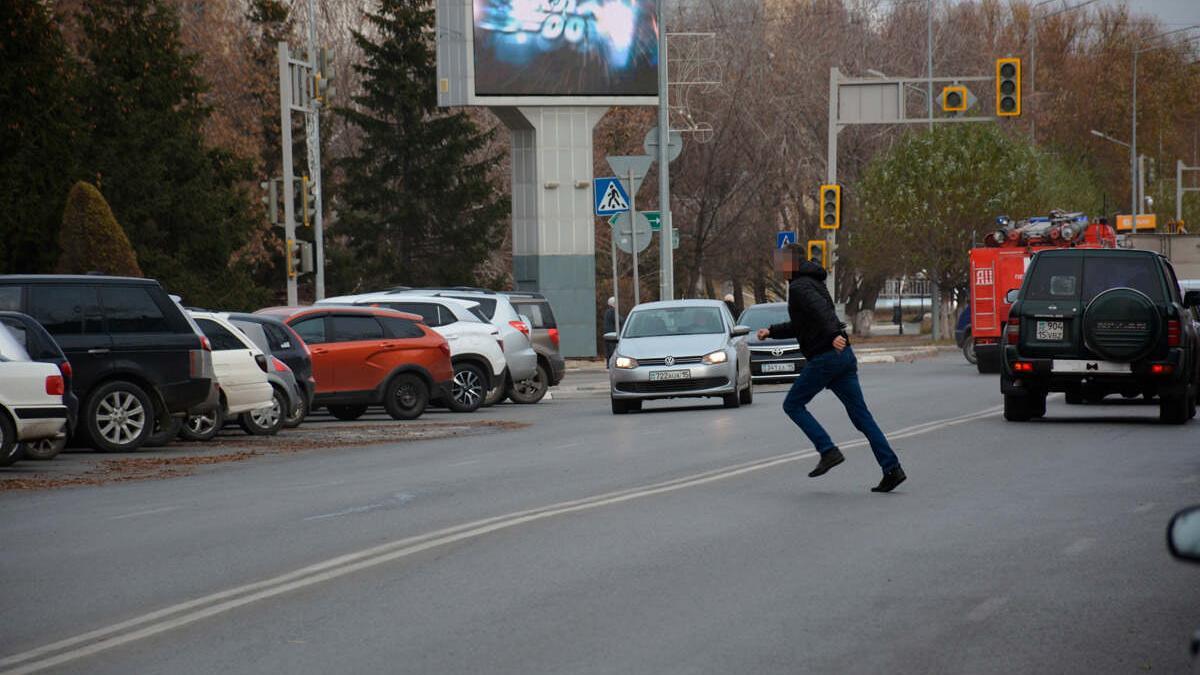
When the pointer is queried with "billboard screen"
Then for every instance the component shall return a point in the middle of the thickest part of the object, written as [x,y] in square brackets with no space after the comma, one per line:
[566,48]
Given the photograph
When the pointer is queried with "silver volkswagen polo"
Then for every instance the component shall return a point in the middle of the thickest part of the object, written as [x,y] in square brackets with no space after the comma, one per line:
[679,349]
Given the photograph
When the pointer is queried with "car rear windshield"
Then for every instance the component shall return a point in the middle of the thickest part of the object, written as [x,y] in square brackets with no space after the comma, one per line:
[487,306]
[674,321]
[538,311]
[763,317]
[1083,278]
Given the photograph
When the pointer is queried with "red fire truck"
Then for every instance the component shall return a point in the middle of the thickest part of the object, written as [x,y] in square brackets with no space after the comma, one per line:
[999,266]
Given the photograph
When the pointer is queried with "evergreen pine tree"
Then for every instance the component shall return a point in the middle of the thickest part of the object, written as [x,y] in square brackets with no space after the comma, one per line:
[39,132]
[185,206]
[91,239]
[418,203]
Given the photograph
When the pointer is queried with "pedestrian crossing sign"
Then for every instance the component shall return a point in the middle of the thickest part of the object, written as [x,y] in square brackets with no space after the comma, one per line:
[610,196]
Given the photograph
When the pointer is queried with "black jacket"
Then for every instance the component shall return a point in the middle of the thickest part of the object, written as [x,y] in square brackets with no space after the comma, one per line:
[812,318]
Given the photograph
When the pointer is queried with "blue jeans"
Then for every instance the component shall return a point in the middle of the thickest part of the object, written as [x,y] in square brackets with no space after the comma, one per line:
[838,373]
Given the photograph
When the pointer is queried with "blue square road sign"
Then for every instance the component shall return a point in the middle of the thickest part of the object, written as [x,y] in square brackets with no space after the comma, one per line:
[610,196]
[784,239]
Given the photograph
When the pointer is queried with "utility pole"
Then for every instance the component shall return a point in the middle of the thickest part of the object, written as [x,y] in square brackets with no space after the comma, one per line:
[313,136]
[667,237]
[929,61]
[289,173]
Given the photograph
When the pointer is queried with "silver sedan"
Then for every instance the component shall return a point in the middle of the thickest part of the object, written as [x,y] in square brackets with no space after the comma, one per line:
[679,349]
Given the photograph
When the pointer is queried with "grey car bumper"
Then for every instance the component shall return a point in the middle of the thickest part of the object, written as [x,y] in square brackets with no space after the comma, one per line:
[702,380]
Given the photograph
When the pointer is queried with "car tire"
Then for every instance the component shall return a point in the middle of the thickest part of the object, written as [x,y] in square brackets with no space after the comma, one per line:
[347,413]
[265,421]
[297,417]
[527,392]
[1018,408]
[747,395]
[43,450]
[968,349]
[406,397]
[10,449]
[203,427]
[1074,397]
[1173,408]
[467,389]
[622,406]
[164,435]
[133,413]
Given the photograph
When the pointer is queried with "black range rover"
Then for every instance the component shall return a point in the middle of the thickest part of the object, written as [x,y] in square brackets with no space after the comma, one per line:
[136,358]
[1094,322]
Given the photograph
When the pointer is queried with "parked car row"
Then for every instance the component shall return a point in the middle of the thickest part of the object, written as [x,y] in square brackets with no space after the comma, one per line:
[117,364]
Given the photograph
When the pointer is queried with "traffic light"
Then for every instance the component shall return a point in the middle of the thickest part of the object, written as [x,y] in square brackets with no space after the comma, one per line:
[1008,87]
[818,250]
[299,257]
[831,207]
[323,77]
[308,201]
[271,198]
[292,258]
[954,99]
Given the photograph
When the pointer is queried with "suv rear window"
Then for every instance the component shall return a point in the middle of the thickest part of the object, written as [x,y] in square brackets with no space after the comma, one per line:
[487,306]
[66,310]
[222,340]
[1084,277]
[538,311]
[432,314]
[131,309]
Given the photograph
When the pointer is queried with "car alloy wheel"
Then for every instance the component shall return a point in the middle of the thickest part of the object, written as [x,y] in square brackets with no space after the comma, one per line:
[201,425]
[267,417]
[120,417]
[531,390]
[467,389]
[45,449]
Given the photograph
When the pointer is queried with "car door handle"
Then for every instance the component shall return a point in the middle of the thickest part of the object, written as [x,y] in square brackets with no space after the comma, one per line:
[319,350]
[387,345]
[98,351]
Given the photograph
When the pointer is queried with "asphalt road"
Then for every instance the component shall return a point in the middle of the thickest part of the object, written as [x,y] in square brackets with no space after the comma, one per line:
[686,539]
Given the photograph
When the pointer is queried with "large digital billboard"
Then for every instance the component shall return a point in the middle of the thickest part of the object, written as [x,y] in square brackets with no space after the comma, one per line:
[601,48]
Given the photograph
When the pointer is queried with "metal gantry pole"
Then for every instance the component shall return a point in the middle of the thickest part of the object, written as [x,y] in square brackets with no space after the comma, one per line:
[831,178]
[289,200]
[1178,190]
[1134,207]
[633,214]
[666,241]
[616,289]
[313,134]
[929,56]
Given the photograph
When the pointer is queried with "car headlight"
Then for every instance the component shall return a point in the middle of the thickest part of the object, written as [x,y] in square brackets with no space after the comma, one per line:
[625,363]
[715,358]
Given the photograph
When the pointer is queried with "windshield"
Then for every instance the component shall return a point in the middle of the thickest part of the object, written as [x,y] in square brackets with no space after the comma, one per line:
[764,317]
[674,321]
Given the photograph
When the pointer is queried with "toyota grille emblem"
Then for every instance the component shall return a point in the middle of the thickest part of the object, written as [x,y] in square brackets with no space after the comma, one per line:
[670,360]
[777,351]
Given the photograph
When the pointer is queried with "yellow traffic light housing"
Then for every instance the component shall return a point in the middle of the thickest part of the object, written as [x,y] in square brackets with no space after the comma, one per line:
[954,99]
[831,207]
[818,249]
[1008,87]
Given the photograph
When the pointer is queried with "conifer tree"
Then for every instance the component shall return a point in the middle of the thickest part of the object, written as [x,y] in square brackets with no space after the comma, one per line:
[91,239]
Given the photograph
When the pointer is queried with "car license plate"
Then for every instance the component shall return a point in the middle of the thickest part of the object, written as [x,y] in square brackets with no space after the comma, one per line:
[1050,330]
[660,375]
[1080,366]
[779,368]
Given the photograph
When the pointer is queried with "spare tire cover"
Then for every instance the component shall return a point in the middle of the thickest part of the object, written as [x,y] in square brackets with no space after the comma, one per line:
[1121,324]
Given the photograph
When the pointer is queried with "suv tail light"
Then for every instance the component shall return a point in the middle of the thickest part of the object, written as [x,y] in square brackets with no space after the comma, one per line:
[54,385]
[199,363]
[261,360]
[554,337]
[1012,333]
[1173,333]
[65,369]
[280,366]
[521,326]
[205,344]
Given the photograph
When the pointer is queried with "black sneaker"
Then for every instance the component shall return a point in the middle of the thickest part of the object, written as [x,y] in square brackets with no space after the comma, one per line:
[829,459]
[890,480]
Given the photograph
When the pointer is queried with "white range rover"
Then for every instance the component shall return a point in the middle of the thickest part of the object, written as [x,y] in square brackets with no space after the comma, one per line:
[31,399]
[476,349]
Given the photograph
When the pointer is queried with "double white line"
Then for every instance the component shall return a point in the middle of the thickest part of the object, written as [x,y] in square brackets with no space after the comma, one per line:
[184,613]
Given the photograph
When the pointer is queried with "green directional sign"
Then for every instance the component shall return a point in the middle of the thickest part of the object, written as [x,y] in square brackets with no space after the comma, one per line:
[654,217]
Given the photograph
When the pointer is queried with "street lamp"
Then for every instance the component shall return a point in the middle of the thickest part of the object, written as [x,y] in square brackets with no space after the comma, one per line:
[1135,208]
[1106,137]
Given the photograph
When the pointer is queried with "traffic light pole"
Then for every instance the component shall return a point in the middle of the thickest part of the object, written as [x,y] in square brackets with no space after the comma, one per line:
[313,134]
[667,238]
[289,195]
[831,178]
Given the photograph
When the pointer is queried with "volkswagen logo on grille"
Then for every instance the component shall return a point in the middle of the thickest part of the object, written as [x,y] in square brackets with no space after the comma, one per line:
[670,360]
[777,351]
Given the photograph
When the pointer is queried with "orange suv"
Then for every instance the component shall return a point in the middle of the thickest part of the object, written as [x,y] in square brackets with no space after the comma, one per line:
[364,356]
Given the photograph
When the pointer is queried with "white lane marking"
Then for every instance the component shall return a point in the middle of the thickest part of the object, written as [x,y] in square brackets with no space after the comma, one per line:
[1082,544]
[221,602]
[1143,508]
[135,514]
[987,608]
[398,499]
[308,486]
[464,463]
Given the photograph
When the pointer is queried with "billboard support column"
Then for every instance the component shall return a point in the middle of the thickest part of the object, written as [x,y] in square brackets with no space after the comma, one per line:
[665,247]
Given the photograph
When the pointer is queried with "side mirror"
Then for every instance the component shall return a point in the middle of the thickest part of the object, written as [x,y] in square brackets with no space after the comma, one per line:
[1183,535]
[1011,296]
[611,337]
[739,331]
[1191,299]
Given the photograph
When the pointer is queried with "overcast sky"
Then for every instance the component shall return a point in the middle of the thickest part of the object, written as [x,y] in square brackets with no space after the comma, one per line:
[1173,13]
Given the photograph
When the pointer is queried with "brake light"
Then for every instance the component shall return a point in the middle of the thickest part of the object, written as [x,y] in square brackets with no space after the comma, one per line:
[54,385]
[1023,367]
[65,369]
[445,347]
[280,366]
[521,326]
[987,341]
[554,336]
[1162,369]
[1012,333]
[1173,333]
[205,344]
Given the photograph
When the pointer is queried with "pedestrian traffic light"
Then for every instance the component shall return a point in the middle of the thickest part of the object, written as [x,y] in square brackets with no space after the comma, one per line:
[1008,87]
[818,249]
[831,207]
[954,98]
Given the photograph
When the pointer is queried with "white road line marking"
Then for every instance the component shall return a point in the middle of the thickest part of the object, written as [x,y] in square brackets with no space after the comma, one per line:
[1143,508]
[569,445]
[987,608]
[399,499]
[1082,544]
[135,514]
[184,613]
[464,463]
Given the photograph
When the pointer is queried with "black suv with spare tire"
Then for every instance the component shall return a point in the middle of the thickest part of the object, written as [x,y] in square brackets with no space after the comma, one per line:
[1094,322]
